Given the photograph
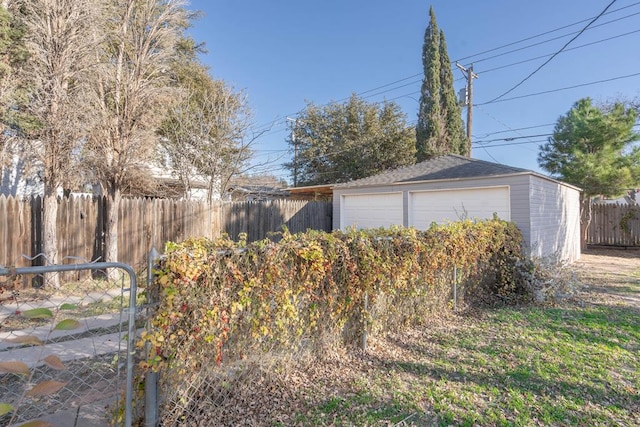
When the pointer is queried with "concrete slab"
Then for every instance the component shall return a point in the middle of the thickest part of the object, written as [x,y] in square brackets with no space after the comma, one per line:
[48,333]
[66,418]
[93,410]
[9,308]
[94,415]
[67,350]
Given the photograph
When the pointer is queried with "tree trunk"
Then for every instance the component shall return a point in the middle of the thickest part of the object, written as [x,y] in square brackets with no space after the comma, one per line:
[50,235]
[210,192]
[585,219]
[111,238]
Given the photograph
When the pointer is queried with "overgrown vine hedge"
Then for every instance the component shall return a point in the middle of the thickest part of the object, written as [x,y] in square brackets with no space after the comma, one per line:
[223,300]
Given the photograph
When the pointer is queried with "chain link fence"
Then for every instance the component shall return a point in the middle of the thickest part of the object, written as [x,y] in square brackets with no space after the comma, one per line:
[66,343]
[267,380]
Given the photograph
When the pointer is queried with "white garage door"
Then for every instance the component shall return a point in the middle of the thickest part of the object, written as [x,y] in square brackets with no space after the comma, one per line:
[441,206]
[371,210]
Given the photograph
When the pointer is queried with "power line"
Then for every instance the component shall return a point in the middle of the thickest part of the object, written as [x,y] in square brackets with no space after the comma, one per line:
[517,129]
[552,39]
[557,53]
[514,143]
[486,71]
[525,47]
[503,100]
[502,123]
[539,35]
[419,75]
[512,138]
[278,129]
[390,90]
[559,89]
[520,137]
[489,154]
[565,51]
[482,110]
[388,84]
[278,121]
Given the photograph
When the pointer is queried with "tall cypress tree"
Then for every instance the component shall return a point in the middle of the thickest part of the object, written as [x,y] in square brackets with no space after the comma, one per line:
[428,129]
[440,128]
[455,138]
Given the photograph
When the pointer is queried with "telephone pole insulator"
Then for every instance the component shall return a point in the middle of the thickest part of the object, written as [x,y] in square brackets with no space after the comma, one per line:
[469,75]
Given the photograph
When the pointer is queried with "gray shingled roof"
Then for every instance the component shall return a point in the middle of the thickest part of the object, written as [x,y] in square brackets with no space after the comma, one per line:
[449,166]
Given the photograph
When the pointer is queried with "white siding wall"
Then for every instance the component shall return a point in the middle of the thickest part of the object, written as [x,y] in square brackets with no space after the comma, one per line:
[371,210]
[546,212]
[21,178]
[555,220]
[520,208]
[339,193]
[452,204]
[518,184]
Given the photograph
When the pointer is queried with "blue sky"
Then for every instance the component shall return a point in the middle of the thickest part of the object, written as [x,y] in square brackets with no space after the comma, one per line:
[282,53]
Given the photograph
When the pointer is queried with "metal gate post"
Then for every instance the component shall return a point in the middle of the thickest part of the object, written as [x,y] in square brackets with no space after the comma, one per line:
[151,378]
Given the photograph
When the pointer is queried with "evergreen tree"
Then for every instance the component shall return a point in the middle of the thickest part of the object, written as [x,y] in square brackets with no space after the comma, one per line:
[595,149]
[440,129]
[428,130]
[454,136]
[340,142]
[13,55]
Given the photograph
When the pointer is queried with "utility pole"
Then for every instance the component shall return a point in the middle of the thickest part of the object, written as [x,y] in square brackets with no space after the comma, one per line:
[469,75]
[295,150]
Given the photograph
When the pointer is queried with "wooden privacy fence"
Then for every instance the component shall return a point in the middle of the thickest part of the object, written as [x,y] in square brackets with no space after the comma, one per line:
[144,223]
[614,225]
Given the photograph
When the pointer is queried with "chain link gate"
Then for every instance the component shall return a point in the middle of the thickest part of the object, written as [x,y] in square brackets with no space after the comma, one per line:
[67,352]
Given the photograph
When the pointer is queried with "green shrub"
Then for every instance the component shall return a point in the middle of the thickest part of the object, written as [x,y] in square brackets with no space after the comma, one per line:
[222,300]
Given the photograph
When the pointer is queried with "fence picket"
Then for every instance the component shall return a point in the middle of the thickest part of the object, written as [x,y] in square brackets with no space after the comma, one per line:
[145,223]
[614,224]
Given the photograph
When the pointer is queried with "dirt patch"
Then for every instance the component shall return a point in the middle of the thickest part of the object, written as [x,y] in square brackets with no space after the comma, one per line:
[610,276]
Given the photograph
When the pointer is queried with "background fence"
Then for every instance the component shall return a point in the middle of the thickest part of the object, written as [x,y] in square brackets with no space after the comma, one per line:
[614,225]
[146,223]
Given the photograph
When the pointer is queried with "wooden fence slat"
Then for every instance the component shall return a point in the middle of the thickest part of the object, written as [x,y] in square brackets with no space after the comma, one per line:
[144,223]
[614,225]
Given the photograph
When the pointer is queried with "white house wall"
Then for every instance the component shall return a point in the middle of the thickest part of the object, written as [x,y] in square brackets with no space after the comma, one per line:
[372,210]
[20,179]
[428,206]
[518,184]
[555,220]
[545,211]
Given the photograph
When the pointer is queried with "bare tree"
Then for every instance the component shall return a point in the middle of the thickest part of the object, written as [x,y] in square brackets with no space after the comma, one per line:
[131,93]
[59,47]
[204,135]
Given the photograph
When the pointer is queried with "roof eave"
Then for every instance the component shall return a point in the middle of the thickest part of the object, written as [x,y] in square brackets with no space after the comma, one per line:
[399,183]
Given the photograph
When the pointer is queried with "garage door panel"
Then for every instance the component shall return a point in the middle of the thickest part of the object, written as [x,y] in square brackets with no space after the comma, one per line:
[371,210]
[426,207]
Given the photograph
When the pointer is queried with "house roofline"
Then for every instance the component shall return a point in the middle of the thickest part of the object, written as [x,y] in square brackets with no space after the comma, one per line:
[399,183]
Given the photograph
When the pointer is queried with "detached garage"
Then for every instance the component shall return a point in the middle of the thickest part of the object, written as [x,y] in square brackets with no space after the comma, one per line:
[450,188]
